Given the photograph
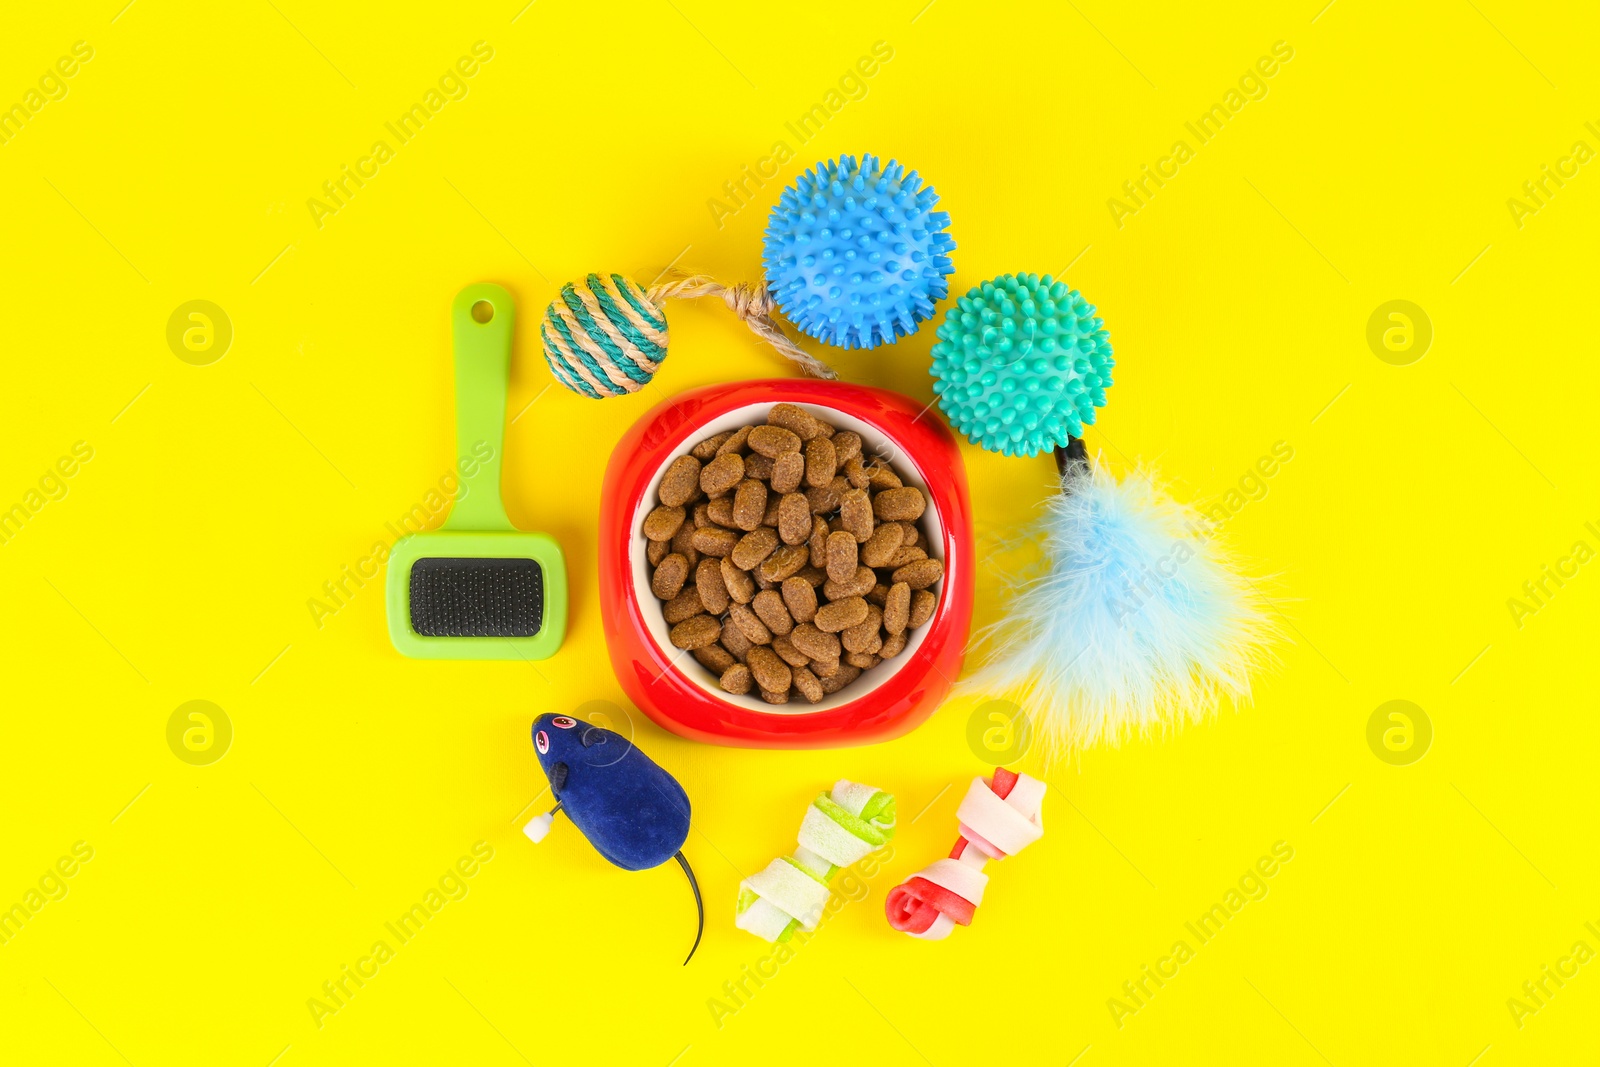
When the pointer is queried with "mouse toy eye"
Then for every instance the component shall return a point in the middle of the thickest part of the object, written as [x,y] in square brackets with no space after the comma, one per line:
[541,741]
[563,722]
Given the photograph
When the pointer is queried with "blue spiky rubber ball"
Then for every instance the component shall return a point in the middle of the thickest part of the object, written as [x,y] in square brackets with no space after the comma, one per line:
[855,255]
[1021,363]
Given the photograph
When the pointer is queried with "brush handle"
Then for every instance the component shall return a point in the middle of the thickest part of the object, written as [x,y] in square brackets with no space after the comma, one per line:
[481,322]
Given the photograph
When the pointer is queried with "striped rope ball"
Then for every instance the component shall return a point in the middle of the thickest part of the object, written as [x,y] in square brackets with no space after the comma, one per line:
[604,336]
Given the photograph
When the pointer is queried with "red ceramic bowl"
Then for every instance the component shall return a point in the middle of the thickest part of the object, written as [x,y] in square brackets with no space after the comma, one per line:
[670,685]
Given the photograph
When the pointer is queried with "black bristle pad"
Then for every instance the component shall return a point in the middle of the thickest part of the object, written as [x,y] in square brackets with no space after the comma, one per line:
[476,597]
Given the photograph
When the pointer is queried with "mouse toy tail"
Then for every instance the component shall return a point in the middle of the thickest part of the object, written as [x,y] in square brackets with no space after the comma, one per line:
[698,904]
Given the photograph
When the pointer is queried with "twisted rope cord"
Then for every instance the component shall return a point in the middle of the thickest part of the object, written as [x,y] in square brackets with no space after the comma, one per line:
[752,303]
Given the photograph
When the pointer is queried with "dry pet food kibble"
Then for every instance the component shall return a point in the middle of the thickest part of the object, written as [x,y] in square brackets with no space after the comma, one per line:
[789,559]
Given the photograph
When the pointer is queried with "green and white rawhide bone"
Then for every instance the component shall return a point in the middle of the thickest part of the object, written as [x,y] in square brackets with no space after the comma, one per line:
[840,827]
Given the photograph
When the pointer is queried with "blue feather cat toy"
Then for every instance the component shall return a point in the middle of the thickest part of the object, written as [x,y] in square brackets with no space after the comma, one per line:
[1141,621]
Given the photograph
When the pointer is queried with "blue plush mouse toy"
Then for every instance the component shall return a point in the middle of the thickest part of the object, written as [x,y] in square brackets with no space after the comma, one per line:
[634,813]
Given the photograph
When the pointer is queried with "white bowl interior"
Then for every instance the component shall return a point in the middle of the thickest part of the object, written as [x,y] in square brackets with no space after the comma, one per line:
[873,442]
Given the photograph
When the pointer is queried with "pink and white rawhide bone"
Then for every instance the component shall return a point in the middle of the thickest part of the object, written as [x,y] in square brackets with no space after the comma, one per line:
[998,818]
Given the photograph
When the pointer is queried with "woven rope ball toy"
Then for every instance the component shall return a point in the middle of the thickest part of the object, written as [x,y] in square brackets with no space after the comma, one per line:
[607,335]
[1021,364]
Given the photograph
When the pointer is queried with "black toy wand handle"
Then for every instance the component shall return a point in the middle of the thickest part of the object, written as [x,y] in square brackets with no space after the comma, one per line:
[1075,452]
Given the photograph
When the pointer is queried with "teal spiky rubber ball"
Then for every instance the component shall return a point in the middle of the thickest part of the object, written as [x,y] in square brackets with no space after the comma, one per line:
[855,255]
[1021,363]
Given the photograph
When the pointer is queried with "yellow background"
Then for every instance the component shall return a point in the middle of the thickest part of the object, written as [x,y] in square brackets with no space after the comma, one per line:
[219,498]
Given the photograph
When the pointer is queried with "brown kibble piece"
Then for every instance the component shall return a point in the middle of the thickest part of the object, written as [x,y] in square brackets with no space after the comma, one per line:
[714,658]
[822,463]
[897,608]
[814,643]
[840,678]
[824,499]
[736,679]
[720,511]
[840,614]
[686,605]
[794,519]
[758,467]
[856,472]
[789,654]
[714,541]
[896,504]
[913,536]
[722,474]
[754,547]
[784,562]
[798,420]
[903,556]
[808,685]
[749,623]
[920,574]
[713,591]
[799,598]
[656,551]
[749,504]
[863,636]
[735,443]
[697,632]
[855,513]
[741,587]
[883,478]
[818,542]
[787,470]
[879,595]
[893,645]
[823,668]
[706,450]
[773,441]
[862,582]
[815,575]
[683,544]
[771,673]
[775,698]
[680,483]
[737,644]
[846,443]
[864,660]
[843,553]
[882,545]
[922,605]
[663,522]
[768,606]
[770,518]
[671,573]
[702,515]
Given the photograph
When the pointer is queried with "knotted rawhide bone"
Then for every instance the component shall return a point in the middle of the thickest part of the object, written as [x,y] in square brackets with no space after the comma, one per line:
[840,828]
[998,818]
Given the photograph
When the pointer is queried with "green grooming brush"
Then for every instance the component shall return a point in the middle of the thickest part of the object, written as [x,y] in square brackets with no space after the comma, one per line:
[478,588]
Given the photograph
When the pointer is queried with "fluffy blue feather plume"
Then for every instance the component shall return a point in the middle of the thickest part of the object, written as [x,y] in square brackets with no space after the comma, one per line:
[1139,623]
